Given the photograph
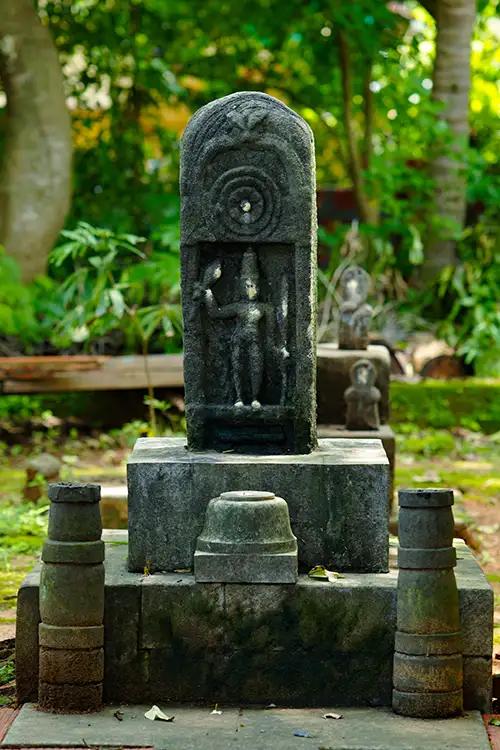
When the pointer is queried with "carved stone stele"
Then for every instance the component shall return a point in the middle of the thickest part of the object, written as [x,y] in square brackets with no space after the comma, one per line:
[248,256]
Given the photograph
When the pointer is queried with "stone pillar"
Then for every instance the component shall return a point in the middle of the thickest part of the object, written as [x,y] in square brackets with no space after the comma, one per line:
[428,676]
[71,634]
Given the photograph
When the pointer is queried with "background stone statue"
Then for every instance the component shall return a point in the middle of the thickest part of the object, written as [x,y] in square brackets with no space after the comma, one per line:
[362,398]
[355,313]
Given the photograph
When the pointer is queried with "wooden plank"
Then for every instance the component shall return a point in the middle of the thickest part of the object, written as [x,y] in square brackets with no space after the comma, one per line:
[38,368]
[106,373]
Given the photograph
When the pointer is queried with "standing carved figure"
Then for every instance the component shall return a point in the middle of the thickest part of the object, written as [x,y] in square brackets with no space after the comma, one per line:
[362,398]
[355,313]
[247,350]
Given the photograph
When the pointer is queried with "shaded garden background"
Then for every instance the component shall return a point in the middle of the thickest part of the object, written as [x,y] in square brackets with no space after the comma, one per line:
[385,88]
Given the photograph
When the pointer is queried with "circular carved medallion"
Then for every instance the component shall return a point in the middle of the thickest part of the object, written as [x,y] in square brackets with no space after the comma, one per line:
[247,201]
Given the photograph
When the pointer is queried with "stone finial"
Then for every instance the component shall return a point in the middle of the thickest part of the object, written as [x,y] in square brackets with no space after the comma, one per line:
[71,634]
[428,673]
[247,538]
[355,313]
[362,397]
[248,256]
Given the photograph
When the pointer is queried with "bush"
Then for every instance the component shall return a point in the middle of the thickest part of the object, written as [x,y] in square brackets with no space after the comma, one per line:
[473,404]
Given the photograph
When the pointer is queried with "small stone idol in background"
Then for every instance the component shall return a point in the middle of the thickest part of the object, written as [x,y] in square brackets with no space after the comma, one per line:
[362,397]
[355,313]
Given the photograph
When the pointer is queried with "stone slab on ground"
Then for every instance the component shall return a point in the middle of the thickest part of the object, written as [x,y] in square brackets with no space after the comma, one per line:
[337,499]
[170,638]
[249,729]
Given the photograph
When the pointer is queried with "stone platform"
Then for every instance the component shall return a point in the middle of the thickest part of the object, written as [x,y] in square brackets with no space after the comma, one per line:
[316,643]
[337,499]
[385,433]
[248,729]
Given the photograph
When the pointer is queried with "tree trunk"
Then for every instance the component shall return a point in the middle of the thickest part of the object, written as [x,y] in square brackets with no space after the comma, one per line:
[455,22]
[368,212]
[36,166]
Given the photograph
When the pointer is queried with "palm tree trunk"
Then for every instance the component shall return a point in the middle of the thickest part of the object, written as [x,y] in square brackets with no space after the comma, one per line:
[451,79]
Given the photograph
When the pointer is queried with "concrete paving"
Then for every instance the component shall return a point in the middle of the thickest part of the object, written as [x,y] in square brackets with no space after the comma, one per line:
[247,729]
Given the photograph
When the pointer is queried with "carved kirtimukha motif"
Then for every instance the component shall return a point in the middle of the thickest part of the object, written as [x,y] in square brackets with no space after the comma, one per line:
[355,313]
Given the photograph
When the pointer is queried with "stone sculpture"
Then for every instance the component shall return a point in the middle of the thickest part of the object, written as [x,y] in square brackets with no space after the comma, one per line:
[71,634]
[355,313]
[247,340]
[428,672]
[362,397]
[247,538]
[248,261]
[248,252]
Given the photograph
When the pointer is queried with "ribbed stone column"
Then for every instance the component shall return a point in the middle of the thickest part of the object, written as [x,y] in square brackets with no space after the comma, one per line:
[72,601]
[428,650]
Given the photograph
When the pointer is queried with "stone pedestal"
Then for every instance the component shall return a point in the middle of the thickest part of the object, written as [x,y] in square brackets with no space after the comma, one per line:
[337,499]
[333,378]
[385,433]
[246,539]
[313,644]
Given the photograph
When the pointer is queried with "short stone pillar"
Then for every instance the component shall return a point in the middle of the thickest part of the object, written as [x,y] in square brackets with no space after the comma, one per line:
[428,676]
[71,633]
[247,538]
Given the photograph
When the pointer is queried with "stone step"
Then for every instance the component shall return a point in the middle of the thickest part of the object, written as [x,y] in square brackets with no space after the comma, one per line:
[248,729]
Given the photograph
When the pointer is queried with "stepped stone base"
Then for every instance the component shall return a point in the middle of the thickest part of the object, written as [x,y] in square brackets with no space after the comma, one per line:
[337,500]
[168,638]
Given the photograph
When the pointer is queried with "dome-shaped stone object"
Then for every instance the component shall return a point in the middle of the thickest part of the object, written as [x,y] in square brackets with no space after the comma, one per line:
[247,538]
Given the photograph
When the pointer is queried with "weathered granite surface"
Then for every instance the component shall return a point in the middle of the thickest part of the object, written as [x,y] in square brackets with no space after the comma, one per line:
[71,657]
[248,257]
[428,669]
[168,638]
[337,499]
[246,538]
[333,379]
[385,433]
[195,728]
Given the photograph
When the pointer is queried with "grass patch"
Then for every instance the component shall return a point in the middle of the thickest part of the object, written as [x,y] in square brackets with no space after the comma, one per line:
[471,403]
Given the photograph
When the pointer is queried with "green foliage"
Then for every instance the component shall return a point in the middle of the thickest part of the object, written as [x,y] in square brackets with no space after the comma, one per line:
[23,527]
[101,284]
[472,403]
[7,672]
[437,443]
[134,71]
[17,315]
[473,287]
[109,287]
